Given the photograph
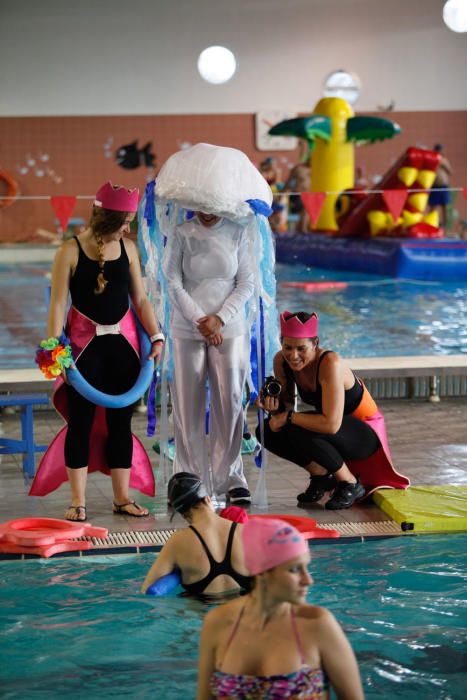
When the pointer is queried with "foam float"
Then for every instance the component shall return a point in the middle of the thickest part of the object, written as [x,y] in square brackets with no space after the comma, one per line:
[311,287]
[46,536]
[441,508]
[307,526]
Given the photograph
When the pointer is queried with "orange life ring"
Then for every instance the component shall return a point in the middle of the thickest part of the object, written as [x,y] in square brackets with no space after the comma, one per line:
[11,189]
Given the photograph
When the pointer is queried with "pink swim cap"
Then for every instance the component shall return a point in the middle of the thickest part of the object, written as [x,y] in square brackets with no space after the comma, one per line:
[268,543]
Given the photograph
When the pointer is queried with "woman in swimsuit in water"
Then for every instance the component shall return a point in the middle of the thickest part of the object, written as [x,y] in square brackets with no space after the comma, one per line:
[208,553]
[270,643]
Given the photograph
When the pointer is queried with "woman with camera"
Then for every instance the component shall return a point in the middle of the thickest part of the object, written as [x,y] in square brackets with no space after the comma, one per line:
[341,442]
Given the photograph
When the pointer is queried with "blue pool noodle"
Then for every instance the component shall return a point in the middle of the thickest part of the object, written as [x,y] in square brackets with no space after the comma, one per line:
[165,584]
[97,397]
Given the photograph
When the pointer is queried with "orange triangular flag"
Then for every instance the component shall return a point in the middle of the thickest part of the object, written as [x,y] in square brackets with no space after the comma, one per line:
[63,208]
[313,203]
[395,200]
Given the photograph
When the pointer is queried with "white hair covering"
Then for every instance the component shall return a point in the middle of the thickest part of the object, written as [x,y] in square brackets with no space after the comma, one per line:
[212,179]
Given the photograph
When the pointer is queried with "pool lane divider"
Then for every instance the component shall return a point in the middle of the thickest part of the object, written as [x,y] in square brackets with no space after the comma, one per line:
[45,537]
[423,509]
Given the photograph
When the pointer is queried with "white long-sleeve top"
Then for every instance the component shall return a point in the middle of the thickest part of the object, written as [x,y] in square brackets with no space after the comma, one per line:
[208,271]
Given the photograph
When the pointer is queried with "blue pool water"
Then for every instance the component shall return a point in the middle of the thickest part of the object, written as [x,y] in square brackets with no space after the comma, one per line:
[372,316]
[78,627]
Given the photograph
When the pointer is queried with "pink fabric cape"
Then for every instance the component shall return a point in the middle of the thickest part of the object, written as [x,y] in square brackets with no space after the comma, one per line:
[51,472]
[377,471]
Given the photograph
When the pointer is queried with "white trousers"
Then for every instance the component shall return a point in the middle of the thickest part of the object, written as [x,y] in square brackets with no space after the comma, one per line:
[225,367]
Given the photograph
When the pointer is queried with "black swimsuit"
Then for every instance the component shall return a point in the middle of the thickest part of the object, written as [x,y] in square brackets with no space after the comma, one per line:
[352,396]
[354,440]
[108,363]
[217,568]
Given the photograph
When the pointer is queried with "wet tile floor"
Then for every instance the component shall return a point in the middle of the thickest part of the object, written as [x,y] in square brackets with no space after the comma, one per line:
[428,442]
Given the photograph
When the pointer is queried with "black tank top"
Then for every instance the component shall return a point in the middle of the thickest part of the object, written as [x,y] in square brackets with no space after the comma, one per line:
[217,568]
[110,306]
[352,396]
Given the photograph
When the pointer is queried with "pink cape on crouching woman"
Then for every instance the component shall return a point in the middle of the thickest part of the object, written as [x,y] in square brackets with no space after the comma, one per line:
[51,472]
[377,471]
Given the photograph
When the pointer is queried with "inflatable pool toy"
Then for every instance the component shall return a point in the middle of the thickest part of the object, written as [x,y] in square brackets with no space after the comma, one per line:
[332,131]
[409,258]
[46,536]
[142,383]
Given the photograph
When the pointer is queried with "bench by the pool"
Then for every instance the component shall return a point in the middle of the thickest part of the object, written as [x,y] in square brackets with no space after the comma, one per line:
[20,388]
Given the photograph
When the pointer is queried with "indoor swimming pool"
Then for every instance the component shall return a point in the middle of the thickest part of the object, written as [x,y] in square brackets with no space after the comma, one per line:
[78,627]
[370,317]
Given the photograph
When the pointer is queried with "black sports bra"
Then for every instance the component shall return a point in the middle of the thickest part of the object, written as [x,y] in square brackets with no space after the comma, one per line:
[217,568]
[352,396]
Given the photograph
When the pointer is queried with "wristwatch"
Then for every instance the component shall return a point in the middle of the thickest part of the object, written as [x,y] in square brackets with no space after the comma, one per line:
[289,417]
[157,338]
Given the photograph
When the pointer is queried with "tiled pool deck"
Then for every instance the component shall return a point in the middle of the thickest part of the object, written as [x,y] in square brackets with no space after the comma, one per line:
[428,444]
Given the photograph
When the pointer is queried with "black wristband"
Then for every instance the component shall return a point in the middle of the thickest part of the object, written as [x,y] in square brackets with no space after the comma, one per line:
[289,417]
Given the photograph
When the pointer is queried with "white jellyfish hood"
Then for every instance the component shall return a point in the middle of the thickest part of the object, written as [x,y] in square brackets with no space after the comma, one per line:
[212,179]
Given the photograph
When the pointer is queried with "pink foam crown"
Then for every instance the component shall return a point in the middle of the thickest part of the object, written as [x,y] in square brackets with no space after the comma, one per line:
[117,198]
[294,328]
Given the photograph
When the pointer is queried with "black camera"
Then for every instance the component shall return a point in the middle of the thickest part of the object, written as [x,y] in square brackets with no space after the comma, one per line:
[271,387]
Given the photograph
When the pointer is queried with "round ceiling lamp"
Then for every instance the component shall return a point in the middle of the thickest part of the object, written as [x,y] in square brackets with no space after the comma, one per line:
[341,83]
[216,64]
[455,15]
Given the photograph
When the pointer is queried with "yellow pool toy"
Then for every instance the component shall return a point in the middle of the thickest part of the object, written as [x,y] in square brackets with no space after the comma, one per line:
[332,131]
[426,508]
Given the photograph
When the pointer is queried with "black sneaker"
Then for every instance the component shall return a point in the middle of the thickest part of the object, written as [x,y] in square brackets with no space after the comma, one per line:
[345,495]
[318,486]
[239,496]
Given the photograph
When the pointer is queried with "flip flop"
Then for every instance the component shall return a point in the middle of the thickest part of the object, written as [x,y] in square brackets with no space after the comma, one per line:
[119,509]
[77,510]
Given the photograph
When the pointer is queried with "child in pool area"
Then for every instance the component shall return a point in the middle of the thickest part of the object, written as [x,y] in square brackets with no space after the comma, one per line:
[270,643]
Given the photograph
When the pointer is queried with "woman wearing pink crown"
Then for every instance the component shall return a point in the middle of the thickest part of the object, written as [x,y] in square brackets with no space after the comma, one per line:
[100,270]
[342,442]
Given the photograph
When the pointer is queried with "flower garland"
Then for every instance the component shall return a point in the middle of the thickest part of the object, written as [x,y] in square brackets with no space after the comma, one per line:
[53,356]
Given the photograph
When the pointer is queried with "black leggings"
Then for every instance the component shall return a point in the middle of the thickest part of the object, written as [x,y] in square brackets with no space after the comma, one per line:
[109,364]
[354,440]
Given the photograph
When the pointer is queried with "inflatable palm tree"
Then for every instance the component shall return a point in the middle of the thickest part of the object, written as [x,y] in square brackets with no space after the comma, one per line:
[332,131]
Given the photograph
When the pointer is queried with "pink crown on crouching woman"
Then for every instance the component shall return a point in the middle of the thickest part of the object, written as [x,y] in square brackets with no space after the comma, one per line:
[292,327]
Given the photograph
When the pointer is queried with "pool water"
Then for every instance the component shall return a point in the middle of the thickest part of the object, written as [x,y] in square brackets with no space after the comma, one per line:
[372,317]
[78,627]
[378,316]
